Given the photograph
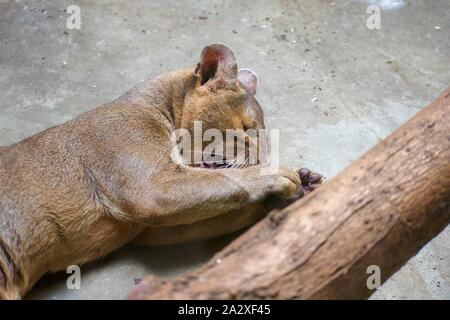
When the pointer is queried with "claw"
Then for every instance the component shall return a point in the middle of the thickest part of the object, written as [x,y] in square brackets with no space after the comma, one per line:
[315,178]
[304,175]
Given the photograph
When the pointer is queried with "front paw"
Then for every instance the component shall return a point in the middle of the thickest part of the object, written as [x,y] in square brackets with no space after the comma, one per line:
[282,184]
[285,183]
[309,182]
[259,186]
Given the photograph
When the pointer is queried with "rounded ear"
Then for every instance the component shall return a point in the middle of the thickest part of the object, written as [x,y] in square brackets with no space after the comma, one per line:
[217,61]
[249,79]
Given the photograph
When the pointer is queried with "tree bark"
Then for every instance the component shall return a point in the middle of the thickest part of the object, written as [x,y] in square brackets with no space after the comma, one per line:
[379,211]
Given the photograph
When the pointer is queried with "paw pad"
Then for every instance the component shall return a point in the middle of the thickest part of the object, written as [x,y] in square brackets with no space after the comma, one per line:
[310,180]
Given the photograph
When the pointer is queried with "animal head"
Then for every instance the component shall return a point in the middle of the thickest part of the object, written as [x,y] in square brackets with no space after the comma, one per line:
[224,102]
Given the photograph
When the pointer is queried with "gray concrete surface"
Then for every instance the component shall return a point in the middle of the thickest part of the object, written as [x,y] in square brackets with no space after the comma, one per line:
[332,86]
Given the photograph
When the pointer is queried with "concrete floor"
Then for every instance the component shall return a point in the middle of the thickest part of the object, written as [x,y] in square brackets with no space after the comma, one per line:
[327,80]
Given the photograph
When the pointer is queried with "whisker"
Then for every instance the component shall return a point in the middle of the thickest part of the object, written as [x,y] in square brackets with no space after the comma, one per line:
[241,165]
[231,164]
[208,153]
[238,161]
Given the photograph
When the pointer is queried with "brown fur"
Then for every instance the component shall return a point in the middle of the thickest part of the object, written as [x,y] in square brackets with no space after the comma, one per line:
[78,191]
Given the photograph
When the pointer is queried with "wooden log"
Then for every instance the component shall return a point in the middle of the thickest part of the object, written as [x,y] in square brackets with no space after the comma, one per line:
[379,211]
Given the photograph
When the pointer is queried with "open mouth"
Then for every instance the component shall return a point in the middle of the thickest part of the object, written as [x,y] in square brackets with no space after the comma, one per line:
[215,165]
[210,162]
